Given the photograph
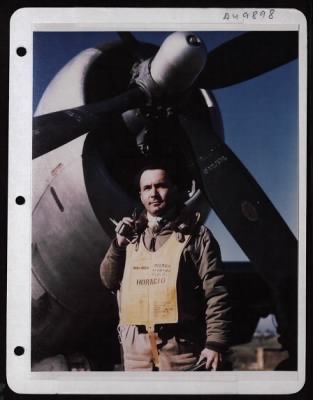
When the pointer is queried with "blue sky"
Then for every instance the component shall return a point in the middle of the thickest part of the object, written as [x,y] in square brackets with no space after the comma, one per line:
[260,118]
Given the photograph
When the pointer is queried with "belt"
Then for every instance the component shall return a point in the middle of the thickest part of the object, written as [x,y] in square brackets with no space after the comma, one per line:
[167,331]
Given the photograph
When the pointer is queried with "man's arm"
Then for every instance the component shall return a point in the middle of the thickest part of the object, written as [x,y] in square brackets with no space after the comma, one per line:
[217,313]
[112,266]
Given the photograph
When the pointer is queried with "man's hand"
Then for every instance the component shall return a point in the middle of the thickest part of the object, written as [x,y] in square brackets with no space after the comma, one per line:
[213,359]
[121,238]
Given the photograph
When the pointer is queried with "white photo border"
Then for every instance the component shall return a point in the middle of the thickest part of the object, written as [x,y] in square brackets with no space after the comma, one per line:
[24,23]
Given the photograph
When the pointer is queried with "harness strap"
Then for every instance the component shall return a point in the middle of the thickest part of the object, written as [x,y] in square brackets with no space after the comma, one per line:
[153,344]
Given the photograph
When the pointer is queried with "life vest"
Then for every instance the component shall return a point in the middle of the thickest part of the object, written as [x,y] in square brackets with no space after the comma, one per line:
[148,291]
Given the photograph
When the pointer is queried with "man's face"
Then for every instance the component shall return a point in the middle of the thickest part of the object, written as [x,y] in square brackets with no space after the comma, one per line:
[157,193]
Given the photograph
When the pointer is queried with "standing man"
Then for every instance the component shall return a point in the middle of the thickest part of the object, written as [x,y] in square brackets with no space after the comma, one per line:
[173,305]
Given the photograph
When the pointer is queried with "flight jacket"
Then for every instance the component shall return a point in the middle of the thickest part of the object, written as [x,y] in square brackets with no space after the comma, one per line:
[203,304]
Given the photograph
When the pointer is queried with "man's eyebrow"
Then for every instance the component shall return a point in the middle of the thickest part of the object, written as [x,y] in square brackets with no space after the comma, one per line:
[162,183]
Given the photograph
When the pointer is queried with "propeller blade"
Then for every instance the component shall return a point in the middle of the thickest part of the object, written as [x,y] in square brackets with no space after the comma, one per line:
[248,56]
[128,38]
[135,48]
[249,216]
[55,129]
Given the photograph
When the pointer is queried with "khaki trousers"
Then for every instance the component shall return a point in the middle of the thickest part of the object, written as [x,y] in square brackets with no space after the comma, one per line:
[174,354]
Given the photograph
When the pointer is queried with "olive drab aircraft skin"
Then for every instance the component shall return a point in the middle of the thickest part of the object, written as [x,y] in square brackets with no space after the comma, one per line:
[104,114]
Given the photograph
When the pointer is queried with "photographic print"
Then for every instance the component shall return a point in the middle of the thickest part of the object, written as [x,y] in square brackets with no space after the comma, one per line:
[165,202]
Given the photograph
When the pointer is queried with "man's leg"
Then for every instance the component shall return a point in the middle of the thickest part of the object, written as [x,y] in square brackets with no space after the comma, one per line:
[136,349]
[178,355]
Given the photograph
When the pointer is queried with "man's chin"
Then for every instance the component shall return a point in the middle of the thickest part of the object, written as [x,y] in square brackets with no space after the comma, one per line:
[157,211]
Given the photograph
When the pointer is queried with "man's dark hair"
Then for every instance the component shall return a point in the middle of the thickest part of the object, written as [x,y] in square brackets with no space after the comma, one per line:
[166,165]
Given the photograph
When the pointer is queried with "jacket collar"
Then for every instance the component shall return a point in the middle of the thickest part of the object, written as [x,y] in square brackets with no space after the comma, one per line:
[178,220]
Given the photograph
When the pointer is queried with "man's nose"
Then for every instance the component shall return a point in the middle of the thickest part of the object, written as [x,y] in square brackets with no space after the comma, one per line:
[153,191]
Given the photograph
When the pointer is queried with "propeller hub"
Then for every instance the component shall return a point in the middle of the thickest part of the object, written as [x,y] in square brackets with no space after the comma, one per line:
[174,68]
[194,40]
[178,62]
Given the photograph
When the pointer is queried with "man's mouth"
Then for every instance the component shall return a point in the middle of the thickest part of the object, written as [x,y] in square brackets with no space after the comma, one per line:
[155,203]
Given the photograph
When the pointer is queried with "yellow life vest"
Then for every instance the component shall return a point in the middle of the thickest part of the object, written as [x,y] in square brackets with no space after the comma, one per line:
[148,290]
